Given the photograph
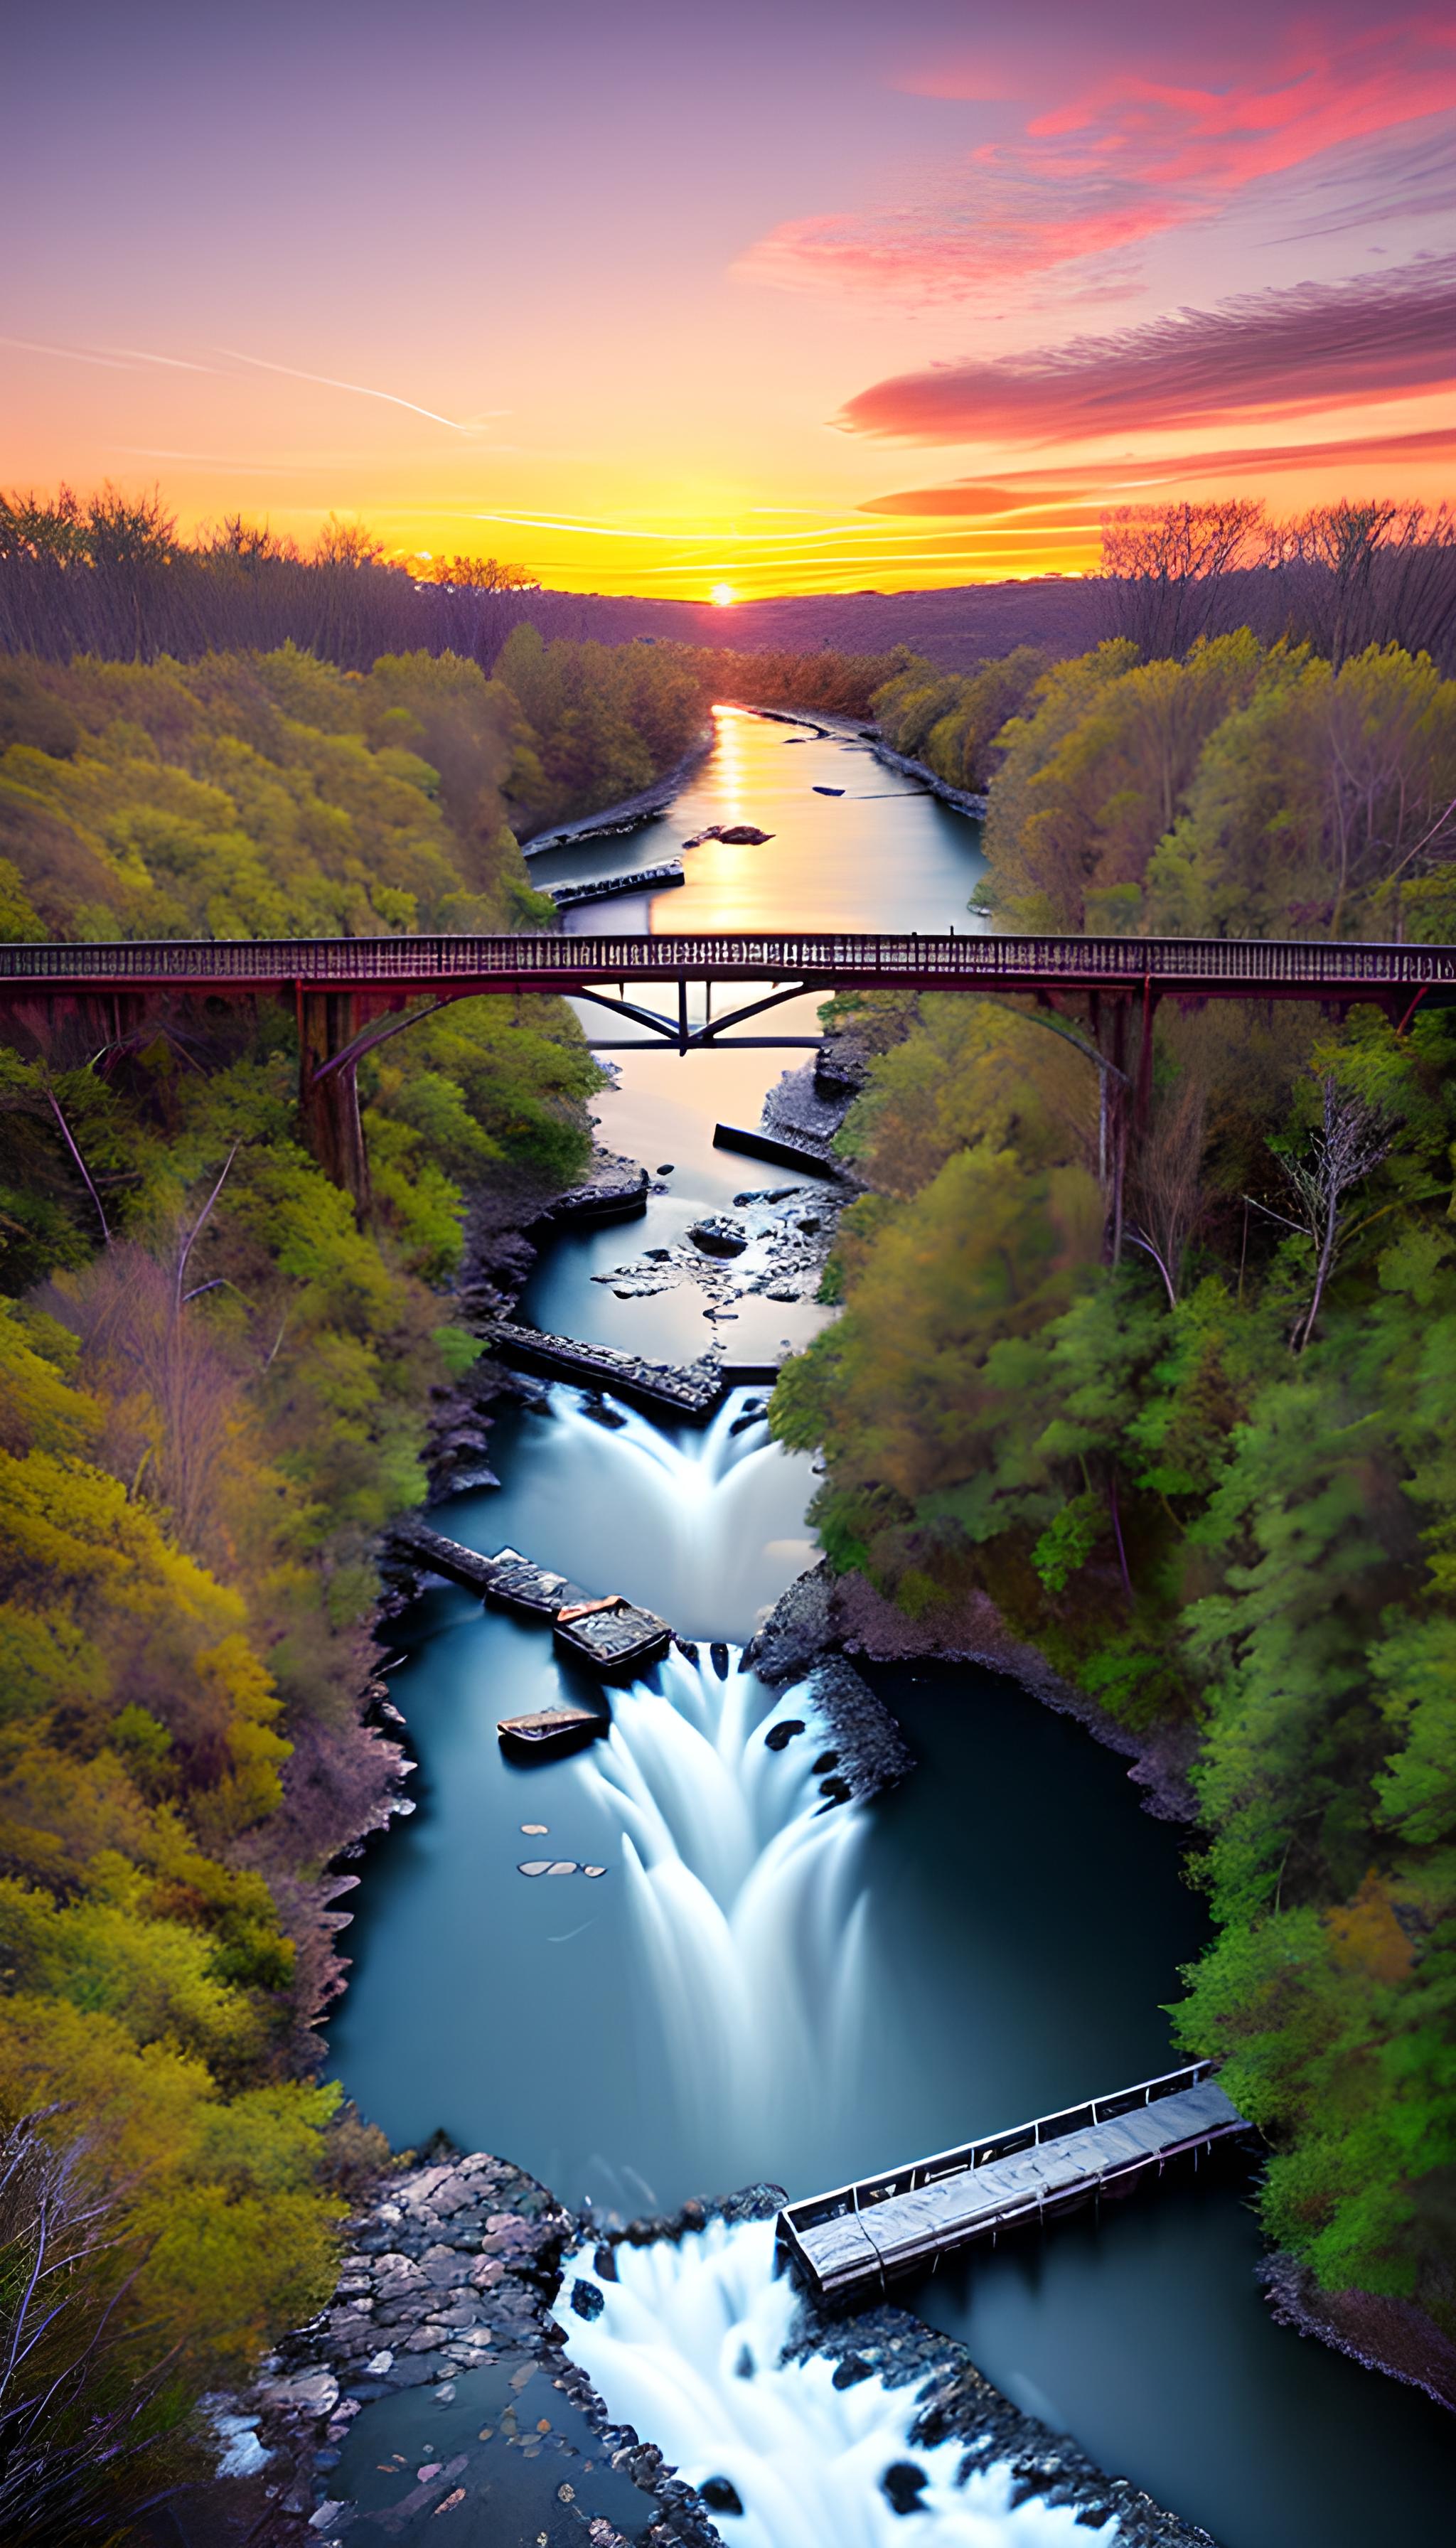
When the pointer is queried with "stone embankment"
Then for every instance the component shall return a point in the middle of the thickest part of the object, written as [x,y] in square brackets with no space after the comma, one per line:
[957,2402]
[823,1616]
[961,799]
[871,1754]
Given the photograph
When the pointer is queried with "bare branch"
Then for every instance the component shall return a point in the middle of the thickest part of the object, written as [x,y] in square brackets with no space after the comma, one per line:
[70,1144]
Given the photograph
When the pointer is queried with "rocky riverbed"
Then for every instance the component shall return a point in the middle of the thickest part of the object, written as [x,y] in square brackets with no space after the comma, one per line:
[455,2270]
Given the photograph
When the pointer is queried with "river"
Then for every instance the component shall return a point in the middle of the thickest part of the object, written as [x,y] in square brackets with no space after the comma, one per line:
[755,1989]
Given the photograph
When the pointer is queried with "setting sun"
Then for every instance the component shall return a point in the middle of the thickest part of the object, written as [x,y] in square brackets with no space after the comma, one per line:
[722,595]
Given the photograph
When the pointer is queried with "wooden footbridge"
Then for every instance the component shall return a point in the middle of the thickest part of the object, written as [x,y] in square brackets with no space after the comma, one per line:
[350,993]
[861,2235]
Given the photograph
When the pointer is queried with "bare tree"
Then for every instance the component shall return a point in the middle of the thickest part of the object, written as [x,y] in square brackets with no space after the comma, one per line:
[1351,1142]
[482,575]
[1168,569]
[1167,1183]
[80,2442]
[1378,573]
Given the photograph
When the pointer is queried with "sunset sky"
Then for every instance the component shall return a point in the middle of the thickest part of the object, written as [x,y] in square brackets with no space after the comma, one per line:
[654,297]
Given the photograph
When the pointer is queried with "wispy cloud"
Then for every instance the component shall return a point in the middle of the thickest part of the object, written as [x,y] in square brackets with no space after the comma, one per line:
[1123,155]
[167,362]
[127,358]
[1265,354]
[518,521]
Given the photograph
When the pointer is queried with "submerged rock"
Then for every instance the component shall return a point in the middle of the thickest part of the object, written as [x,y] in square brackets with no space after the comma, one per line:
[716,1235]
[720,2494]
[781,1735]
[904,2484]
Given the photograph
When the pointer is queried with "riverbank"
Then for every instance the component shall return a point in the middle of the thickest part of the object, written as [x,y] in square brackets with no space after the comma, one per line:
[843,729]
[630,813]
[823,1619]
[963,801]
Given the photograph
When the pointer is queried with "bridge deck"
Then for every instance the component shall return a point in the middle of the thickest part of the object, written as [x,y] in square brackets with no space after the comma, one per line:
[891,2224]
[456,967]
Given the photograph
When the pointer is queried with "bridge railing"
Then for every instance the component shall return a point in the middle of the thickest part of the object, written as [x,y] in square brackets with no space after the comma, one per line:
[553,961]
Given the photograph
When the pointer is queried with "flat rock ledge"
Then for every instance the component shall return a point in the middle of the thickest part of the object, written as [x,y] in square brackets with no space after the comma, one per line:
[458,2264]
[691,1389]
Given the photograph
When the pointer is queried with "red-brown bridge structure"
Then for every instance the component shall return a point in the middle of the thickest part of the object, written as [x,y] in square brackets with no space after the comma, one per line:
[352,993]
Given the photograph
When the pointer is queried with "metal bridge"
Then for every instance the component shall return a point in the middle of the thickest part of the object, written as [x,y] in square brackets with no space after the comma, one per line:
[1195,968]
[352,993]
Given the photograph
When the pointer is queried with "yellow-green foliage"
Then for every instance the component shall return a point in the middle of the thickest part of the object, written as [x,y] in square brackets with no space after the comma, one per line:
[261,796]
[142,1975]
[205,1420]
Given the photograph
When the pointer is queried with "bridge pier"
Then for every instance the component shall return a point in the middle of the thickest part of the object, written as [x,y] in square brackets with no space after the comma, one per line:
[70,1029]
[329,1021]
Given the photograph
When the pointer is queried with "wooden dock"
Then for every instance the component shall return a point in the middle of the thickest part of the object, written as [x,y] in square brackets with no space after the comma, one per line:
[655,879]
[897,2224]
[611,1636]
[438,1555]
[780,1153]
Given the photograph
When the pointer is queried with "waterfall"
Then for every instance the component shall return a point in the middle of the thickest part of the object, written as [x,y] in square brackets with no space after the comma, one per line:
[705,1525]
[686,2345]
[747,1907]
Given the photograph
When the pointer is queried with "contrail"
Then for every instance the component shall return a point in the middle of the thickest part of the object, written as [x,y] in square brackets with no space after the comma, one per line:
[357,387]
[173,362]
[68,353]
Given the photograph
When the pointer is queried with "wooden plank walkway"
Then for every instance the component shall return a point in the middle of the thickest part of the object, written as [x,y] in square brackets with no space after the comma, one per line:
[892,2225]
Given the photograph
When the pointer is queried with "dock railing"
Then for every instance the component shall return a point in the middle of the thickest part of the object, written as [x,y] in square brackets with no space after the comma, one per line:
[869,2191]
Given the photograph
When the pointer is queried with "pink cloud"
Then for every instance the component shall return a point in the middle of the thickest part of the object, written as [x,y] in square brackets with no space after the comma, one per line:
[1116,158]
[1019,490]
[1263,354]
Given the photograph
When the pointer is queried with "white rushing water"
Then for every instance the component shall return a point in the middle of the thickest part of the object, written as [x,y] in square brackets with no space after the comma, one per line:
[747,1905]
[706,1526]
[687,2346]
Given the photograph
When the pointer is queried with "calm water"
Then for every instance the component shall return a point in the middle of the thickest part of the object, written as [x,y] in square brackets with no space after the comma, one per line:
[752,1988]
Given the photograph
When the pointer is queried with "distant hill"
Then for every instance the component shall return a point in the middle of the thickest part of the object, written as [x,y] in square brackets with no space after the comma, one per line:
[956,627]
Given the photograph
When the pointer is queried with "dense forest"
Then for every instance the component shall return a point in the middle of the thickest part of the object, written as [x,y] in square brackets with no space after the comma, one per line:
[216,1391]
[1189,1424]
